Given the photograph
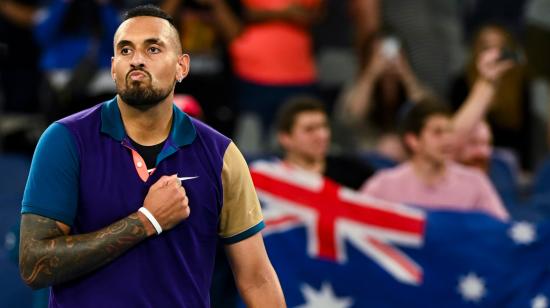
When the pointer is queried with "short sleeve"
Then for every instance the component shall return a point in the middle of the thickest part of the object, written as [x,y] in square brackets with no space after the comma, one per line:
[241,215]
[52,185]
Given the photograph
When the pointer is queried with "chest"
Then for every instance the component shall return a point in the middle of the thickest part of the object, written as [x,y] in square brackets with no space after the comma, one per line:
[111,187]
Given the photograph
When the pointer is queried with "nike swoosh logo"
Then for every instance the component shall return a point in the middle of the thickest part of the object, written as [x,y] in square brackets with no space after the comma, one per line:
[185,178]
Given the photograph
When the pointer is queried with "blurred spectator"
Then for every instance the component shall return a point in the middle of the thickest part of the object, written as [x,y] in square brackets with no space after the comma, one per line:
[368,111]
[304,134]
[477,151]
[77,42]
[19,73]
[343,28]
[273,57]
[429,178]
[509,114]
[472,136]
[206,27]
[432,35]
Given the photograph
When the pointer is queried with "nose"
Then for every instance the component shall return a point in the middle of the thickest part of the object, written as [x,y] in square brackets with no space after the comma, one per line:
[137,60]
[322,134]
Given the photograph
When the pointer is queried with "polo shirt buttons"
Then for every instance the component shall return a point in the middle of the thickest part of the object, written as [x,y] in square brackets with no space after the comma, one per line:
[139,164]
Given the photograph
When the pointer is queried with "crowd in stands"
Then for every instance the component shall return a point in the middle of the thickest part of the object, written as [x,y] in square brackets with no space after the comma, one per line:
[368,61]
[449,100]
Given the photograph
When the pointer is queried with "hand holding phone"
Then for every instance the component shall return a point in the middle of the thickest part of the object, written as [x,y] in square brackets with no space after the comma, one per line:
[509,54]
[390,47]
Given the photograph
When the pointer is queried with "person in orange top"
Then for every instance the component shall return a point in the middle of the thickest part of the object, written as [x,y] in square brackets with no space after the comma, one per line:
[272,56]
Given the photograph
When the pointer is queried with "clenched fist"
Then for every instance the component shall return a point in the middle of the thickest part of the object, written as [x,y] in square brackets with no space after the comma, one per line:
[168,203]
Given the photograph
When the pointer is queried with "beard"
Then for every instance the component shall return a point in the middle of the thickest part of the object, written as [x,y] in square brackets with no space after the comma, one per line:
[481,163]
[142,97]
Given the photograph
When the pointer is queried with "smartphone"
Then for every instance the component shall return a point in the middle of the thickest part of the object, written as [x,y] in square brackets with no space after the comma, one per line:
[510,54]
[390,47]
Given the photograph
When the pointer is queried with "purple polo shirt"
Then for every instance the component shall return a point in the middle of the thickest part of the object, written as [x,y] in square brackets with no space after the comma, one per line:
[84,174]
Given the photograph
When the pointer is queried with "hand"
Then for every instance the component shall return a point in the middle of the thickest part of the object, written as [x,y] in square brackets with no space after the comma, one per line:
[378,62]
[489,66]
[403,68]
[168,202]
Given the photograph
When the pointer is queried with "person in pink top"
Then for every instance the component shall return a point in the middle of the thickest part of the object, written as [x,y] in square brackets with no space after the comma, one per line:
[430,178]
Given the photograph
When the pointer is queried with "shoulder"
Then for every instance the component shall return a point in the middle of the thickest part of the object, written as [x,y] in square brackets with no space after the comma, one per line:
[209,135]
[55,140]
[90,114]
[386,179]
[396,173]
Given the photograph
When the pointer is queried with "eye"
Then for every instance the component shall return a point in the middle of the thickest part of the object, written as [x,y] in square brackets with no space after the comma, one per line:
[153,49]
[125,51]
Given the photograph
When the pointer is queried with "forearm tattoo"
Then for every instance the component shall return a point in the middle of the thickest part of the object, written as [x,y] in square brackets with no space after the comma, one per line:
[48,256]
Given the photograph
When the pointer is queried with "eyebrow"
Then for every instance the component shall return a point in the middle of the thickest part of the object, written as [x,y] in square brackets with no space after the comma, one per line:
[148,41]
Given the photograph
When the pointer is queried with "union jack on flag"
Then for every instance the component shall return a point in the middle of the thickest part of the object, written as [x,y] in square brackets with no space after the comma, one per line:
[332,247]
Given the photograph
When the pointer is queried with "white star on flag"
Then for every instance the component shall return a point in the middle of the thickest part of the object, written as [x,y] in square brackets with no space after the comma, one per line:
[540,301]
[323,298]
[522,233]
[471,287]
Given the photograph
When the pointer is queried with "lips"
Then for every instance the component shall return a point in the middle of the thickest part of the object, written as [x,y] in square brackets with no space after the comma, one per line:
[137,75]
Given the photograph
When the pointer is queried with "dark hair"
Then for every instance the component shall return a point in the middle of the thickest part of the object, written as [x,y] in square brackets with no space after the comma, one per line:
[289,111]
[148,10]
[152,11]
[415,119]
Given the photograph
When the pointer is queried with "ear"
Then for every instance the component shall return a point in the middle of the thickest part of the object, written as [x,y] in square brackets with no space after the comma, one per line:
[183,66]
[113,74]
[411,141]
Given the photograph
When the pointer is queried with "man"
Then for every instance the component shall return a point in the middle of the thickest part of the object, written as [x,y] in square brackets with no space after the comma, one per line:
[106,220]
[430,178]
[304,134]
[476,151]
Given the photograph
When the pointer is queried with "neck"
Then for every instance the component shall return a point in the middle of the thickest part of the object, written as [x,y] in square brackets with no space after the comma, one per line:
[430,172]
[313,165]
[148,127]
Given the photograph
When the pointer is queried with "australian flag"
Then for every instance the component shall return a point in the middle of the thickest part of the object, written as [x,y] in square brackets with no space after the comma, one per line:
[334,248]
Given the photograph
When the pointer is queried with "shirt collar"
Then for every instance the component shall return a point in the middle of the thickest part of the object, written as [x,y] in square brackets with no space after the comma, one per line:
[182,132]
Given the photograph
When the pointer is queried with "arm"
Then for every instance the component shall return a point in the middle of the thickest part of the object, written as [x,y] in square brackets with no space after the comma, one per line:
[255,277]
[474,109]
[228,23]
[240,223]
[415,90]
[366,16]
[357,101]
[49,255]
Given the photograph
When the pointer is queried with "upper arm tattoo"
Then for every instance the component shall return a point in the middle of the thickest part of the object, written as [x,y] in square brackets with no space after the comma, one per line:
[48,256]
